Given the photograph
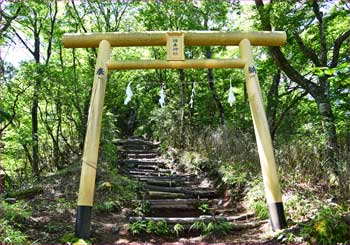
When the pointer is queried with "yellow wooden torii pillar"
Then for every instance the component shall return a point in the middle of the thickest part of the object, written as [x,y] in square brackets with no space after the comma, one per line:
[175,42]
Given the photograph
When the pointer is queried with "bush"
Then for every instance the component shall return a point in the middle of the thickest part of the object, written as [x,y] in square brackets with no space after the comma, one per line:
[193,161]
[115,191]
[255,199]
[328,227]
[299,207]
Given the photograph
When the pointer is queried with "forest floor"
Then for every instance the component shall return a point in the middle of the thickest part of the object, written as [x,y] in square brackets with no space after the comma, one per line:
[53,217]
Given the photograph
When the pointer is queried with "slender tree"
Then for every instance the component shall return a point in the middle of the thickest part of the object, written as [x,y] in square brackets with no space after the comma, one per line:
[35,20]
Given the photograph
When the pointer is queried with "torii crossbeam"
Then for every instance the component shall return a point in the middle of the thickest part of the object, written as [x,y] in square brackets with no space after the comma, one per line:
[175,42]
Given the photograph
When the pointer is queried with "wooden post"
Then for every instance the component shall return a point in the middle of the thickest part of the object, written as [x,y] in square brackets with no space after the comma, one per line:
[263,140]
[92,140]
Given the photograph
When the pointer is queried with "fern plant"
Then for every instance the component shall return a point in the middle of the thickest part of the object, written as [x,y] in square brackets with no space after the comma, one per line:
[178,228]
[217,227]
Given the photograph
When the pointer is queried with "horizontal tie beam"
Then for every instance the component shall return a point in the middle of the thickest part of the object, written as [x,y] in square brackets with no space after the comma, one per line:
[164,64]
[158,38]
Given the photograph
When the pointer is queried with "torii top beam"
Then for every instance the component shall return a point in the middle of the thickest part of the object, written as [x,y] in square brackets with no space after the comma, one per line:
[158,38]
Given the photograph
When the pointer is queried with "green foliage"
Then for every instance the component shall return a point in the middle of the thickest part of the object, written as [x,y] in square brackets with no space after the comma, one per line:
[108,206]
[261,210]
[204,208]
[68,238]
[301,207]
[149,227]
[138,227]
[16,212]
[115,191]
[80,242]
[194,161]
[178,228]
[234,174]
[10,235]
[217,227]
[143,208]
[12,217]
[199,226]
[328,227]
[255,199]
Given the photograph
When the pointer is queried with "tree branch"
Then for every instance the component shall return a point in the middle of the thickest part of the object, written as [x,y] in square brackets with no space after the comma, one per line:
[10,19]
[79,18]
[308,52]
[281,60]
[23,42]
[319,16]
[52,27]
[2,129]
[118,17]
[290,106]
[336,48]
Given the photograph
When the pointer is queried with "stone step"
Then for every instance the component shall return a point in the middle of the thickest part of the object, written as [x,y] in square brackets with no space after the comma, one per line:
[141,155]
[174,195]
[166,177]
[179,203]
[143,161]
[197,192]
[163,195]
[134,141]
[149,172]
[191,220]
[131,151]
[147,167]
[167,183]
[137,147]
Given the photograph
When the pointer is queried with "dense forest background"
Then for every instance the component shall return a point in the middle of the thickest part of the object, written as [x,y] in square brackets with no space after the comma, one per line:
[46,89]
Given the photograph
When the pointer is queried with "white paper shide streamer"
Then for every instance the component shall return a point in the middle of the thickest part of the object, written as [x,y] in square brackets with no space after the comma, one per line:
[162,96]
[192,95]
[231,96]
[128,94]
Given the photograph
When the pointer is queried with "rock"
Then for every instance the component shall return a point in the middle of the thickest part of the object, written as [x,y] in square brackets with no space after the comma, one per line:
[125,212]
[11,200]
[124,230]
[122,241]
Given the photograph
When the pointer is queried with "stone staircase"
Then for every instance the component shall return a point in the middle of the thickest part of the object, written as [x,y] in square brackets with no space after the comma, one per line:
[173,196]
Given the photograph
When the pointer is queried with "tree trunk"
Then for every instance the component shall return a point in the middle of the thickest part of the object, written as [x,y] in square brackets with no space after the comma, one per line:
[35,136]
[272,103]
[328,124]
[213,90]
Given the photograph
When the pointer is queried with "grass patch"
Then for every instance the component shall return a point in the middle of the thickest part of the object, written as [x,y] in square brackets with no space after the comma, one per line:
[255,199]
[11,235]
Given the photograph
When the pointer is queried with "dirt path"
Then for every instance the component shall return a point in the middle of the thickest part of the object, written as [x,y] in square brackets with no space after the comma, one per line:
[177,198]
[170,193]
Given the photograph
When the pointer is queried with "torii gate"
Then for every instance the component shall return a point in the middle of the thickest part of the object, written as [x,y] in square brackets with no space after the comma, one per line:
[175,42]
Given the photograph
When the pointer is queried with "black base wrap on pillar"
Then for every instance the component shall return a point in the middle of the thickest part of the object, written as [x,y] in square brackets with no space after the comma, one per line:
[83,221]
[277,218]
